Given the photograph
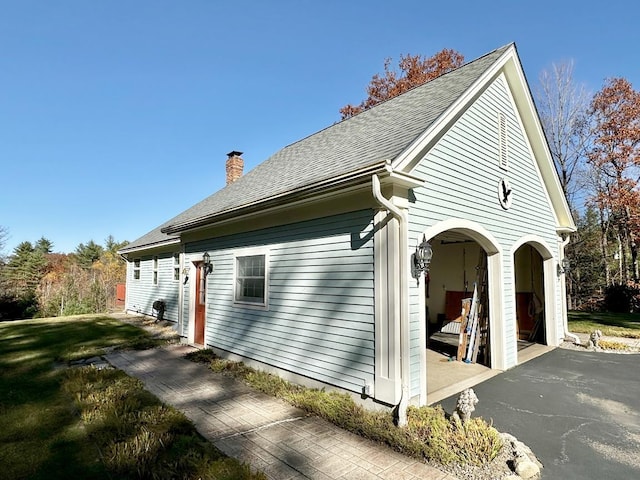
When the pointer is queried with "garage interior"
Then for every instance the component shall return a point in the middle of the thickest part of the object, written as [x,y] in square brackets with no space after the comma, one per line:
[458,264]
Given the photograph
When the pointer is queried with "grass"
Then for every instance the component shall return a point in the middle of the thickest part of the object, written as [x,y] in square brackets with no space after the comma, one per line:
[87,423]
[611,324]
[138,436]
[429,433]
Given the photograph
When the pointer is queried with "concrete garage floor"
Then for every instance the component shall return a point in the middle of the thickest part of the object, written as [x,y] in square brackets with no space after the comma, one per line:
[446,378]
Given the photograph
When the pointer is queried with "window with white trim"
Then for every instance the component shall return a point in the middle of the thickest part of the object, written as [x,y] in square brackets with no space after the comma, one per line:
[251,277]
[136,269]
[155,270]
[503,141]
[176,267]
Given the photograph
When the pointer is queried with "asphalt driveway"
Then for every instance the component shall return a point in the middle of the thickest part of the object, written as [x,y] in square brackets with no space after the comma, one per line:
[578,411]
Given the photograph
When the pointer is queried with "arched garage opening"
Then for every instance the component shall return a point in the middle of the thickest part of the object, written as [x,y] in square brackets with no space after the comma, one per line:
[457,246]
[534,282]
[458,270]
[530,295]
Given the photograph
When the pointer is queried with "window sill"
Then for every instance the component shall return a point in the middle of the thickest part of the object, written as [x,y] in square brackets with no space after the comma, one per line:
[251,305]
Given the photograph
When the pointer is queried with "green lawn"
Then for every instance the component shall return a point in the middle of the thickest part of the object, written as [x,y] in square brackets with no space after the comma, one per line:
[611,324]
[87,423]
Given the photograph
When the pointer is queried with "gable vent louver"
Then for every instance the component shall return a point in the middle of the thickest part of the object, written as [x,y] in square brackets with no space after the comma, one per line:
[503,156]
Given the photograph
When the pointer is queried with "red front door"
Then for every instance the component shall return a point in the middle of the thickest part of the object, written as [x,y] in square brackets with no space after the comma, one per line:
[201,297]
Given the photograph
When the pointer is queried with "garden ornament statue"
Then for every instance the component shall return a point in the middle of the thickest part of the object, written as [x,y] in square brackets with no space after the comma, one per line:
[466,404]
[594,339]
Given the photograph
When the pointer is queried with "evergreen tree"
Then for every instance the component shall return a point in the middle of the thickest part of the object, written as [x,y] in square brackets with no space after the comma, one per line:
[24,269]
[44,245]
[87,254]
[586,273]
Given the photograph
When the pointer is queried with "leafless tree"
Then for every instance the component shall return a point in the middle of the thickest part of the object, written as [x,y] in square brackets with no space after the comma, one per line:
[4,236]
[563,106]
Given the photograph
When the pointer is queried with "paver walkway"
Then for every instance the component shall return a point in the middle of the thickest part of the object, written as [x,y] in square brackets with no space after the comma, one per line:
[270,435]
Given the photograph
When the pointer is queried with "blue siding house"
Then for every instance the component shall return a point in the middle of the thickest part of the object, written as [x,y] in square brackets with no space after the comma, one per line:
[304,266]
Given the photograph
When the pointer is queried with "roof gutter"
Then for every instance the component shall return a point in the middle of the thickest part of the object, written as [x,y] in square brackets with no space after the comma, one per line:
[306,191]
[164,243]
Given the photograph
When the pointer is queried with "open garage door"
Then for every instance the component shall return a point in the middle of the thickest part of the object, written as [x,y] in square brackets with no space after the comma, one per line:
[458,269]
[530,295]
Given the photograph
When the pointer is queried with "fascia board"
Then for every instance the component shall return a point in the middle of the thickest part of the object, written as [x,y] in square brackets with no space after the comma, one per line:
[528,113]
[407,180]
[149,246]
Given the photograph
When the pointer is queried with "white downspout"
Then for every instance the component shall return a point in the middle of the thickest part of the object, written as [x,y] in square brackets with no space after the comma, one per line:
[565,320]
[404,288]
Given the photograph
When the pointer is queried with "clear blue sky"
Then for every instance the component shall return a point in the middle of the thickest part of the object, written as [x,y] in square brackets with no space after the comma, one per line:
[116,115]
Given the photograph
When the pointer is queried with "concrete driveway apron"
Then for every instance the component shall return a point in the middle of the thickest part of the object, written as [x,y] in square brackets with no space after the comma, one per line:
[578,411]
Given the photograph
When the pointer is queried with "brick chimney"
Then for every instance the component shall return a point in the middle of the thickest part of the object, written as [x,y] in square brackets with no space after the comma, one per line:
[235,166]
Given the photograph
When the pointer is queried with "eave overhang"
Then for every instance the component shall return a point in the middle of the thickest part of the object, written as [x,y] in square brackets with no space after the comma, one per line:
[402,179]
[320,188]
[148,246]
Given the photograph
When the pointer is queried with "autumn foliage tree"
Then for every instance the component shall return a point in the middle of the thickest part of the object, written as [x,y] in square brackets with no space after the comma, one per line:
[413,70]
[37,282]
[86,283]
[615,157]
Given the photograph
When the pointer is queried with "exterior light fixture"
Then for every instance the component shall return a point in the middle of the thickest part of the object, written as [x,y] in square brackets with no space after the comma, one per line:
[422,256]
[563,267]
[206,263]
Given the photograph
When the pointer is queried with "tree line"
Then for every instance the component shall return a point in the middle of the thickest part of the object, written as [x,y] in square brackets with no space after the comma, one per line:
[36,282]
[595,142]
[594,139]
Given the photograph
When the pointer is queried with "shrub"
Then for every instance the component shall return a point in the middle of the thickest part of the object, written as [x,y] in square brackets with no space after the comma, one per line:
[14,308]
[612,345]
[622,298]
[594,303]
[474,442]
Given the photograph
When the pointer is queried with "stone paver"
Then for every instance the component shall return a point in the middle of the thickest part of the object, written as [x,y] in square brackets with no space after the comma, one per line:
[270,435]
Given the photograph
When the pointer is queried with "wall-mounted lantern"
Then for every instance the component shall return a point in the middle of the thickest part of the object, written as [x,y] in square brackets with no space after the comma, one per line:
[563,267]
[206,263]
[422,257]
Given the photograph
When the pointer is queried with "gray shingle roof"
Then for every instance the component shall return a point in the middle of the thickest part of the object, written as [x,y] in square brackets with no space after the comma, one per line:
[375,135]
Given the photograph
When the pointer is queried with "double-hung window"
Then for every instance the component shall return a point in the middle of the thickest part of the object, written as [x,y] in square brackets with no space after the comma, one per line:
[176,267]
[252,277]
[155,270]
[136,269]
